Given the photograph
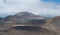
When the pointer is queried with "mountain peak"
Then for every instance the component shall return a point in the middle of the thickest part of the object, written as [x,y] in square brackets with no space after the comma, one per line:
[26,14]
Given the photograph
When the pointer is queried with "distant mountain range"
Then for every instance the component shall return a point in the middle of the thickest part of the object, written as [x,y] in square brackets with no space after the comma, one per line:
[23,17]
[19,17]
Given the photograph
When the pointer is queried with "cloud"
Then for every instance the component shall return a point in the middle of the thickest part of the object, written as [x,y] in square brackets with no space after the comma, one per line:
[34,6]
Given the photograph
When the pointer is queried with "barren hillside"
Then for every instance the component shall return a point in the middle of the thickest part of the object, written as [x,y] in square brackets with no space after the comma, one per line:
[32,25]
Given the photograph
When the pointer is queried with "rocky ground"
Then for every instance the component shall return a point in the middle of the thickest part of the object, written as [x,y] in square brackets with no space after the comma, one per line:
[50,26]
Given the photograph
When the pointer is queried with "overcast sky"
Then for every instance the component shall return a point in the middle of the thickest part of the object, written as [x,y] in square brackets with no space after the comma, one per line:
[40,7]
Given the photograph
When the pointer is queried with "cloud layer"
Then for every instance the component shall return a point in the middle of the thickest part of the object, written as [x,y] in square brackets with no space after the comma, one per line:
[34,6]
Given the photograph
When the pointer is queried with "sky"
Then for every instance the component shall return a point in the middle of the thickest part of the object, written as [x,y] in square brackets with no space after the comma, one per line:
[39,7]
[55,1]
